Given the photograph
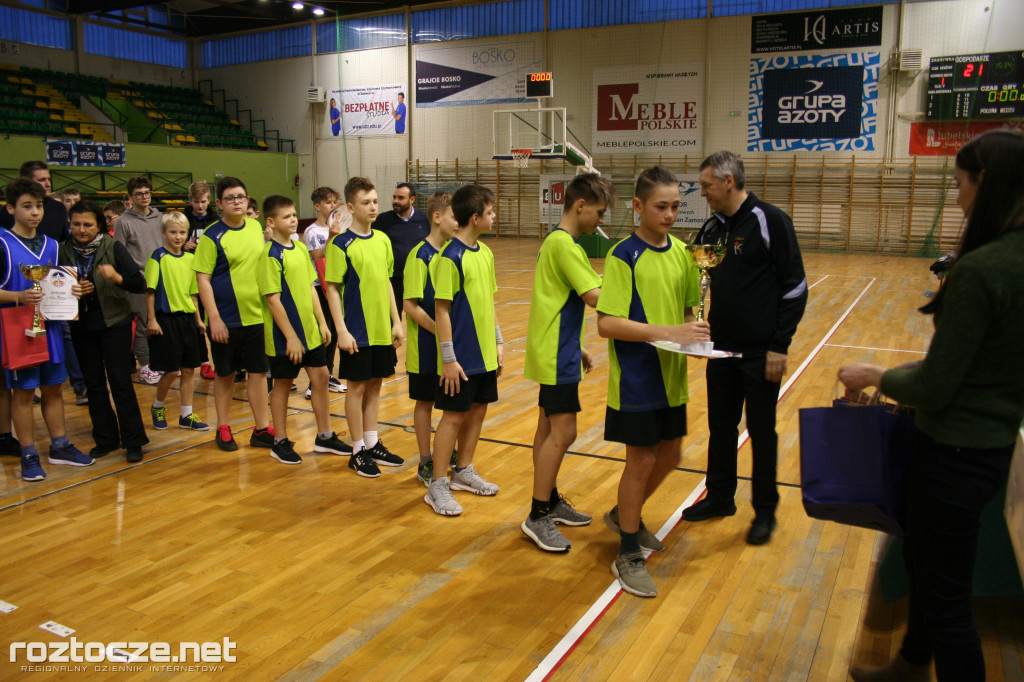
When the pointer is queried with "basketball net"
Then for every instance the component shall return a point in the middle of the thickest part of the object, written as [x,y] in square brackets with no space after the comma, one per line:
[520,157]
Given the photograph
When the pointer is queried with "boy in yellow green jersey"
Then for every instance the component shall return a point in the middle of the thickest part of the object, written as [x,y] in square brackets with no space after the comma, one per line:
[649,288]
[469,343]
[295,330]
[564,284]
[360,264]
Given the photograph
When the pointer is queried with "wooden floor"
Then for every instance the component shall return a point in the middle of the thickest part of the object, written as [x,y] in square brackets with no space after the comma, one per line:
[316,573]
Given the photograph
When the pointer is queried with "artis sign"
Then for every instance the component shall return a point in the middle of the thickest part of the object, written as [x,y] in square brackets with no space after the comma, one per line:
[841,28]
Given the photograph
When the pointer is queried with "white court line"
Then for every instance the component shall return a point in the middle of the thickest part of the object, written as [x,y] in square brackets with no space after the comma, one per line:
[580,629]
[889,350]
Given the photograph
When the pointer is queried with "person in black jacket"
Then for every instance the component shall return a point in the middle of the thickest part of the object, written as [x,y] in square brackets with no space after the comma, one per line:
[759,295]
[405,227]
[102,334]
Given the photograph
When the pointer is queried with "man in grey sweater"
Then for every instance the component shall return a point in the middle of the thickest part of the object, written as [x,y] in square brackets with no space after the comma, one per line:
[140,231]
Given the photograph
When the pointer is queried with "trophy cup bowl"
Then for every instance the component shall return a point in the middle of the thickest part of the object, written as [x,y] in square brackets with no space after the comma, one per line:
[706,256]
[36,274]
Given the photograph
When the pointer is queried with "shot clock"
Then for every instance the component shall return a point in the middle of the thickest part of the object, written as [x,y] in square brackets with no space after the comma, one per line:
[976,86]
[539,85]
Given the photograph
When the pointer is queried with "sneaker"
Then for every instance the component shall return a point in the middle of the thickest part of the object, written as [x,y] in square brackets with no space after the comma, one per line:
[648,540]
[294,387]
[706,509]
[425,472]
[454,460]
[148,376]
[309,394]
[206,371]
[159,415]
[31,470]
[363,465]
[439,497]
[240,376]
[70,455]
[10,446]
[193,423]
[262,438]
[544,532]
[381,455]
[225,440]
[468,479]
[133,455]
[335,386]
[332,444]
[633,576]
[564,513]
[284,452]
[80,397]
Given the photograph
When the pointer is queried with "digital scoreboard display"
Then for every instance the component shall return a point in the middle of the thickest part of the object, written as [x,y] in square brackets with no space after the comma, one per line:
[539,85]
[976,86]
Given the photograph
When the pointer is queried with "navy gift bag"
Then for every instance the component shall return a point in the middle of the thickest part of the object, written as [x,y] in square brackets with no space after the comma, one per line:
[852,464]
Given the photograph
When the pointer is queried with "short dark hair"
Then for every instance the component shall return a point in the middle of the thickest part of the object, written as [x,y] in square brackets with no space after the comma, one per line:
[29,167]
[438,201]
[253,205]
[137,182]
[115,206]
[406,185]
[226,183]
[19,187]
[470,200]
[651,178]
[323,193]
[723,164]
[590,187]
[70,192]
[356,185]
[89,206]
[402,95]
[275,203]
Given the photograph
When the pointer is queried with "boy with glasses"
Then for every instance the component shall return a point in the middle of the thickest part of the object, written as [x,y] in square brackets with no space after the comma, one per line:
[226,263]
[140,230]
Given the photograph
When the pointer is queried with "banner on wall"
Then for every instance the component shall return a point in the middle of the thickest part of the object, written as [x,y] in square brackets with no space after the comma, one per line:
[648,108]
[494,73]
[693,209]
[368,110]
[937,138]
[84,153]
[816,30]
[552,197]
[816,105]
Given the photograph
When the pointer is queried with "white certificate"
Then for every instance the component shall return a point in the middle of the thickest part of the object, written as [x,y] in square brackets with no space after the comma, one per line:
[58,302]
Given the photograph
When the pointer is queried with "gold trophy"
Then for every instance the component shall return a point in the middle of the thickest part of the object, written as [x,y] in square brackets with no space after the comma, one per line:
[36,274]
[706,256]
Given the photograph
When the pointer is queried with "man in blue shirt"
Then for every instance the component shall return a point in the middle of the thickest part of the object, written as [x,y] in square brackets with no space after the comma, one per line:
[405,227]
[400,114]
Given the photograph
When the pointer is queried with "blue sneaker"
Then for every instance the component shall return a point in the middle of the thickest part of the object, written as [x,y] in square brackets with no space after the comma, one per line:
[193,422]
[159,415]
[31,470]
[70,455]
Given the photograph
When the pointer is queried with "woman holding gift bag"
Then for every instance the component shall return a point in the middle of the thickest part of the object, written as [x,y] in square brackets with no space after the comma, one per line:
[102,334]
[969,395]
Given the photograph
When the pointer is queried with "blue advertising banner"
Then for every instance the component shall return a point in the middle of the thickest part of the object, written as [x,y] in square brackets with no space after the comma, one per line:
[85,153]
[813,102]
[477,74]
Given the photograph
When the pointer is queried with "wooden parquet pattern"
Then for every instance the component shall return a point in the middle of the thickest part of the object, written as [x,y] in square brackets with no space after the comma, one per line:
[317,573]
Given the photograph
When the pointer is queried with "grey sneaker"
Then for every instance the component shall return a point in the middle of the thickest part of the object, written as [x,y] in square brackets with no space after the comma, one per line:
[544,532]
[633,576]
[564,513]
[439,497]
[468,479]
[425,473]
[647,539]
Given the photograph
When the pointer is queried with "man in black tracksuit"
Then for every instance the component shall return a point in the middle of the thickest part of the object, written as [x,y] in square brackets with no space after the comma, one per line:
[759,295]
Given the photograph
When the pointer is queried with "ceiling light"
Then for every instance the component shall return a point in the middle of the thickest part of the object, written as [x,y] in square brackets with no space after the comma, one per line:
[319,11]
[297,5]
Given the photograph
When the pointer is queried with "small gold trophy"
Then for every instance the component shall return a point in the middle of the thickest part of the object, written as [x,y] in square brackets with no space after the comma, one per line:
[706,256]
[36,274]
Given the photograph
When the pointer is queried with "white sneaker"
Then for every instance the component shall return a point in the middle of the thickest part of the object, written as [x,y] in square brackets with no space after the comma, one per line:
[309,394]
[335,386]
[439,497]
[148,376]
[468,479]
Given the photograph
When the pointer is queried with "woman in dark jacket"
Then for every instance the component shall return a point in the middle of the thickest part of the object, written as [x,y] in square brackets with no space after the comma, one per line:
[969,395]
[102,334]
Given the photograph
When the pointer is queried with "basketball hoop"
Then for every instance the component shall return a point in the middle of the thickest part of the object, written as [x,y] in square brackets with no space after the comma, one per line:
[520,157]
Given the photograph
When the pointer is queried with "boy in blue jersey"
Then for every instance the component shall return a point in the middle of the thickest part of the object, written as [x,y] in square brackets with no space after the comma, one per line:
[421,353]
[469,343]
[360,263]
[21,245]
[295,331]
[649,288]
[226,262]
[174,325]
[564,284]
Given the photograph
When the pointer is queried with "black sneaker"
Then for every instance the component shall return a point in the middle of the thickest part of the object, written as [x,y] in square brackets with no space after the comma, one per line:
[262,438]
[706,509]
[226,441]
[10,446]
[133,455]
[333,445]
[381,455]
[284,452]
[363,465]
